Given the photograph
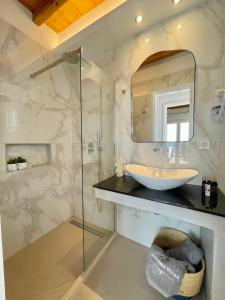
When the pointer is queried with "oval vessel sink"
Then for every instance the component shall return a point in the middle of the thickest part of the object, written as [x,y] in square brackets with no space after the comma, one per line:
[160,179]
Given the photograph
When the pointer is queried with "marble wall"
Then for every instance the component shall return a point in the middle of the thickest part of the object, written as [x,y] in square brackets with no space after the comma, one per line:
[38,111]
[46,111]
[202,32]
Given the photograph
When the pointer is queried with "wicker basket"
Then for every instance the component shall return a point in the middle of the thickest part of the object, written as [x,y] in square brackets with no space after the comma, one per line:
[172,238]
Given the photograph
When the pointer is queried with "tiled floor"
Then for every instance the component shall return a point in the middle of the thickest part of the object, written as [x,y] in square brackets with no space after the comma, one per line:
[85,293]
[47,268]
[120,274]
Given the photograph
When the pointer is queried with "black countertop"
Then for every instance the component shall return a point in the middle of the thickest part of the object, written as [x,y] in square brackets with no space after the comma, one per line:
[187,196]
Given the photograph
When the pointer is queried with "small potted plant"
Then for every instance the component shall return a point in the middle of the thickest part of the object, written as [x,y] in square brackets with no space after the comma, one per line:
[21,163]
[12,165]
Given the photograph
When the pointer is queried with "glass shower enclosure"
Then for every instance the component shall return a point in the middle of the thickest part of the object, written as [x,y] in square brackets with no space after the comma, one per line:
[58,226]
[93,148]
[97,94]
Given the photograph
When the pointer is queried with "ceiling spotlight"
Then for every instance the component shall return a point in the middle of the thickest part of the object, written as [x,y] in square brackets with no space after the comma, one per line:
[138,19]
[179,26]
[175,2]
[147,40]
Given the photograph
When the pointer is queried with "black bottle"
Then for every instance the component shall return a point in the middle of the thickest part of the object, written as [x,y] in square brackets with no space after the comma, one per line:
[203,191]
[214,195]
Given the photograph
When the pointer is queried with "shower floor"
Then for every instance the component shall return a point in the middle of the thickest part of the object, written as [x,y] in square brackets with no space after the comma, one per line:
[45,269]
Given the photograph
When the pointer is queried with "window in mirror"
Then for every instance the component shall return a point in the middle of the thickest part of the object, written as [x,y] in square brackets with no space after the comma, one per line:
[163,98]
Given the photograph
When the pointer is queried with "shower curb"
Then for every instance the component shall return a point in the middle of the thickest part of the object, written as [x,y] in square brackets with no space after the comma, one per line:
[71,292]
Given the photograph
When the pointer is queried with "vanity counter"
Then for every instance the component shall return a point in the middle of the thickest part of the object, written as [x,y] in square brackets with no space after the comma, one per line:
[187,196]
[185,204]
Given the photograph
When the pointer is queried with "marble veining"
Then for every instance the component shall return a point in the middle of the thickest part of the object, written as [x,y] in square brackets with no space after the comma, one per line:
[34,201]
[196,25]
[47,110]
[202,32]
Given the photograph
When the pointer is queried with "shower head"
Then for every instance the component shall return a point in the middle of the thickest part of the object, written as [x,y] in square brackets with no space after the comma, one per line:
[71,57]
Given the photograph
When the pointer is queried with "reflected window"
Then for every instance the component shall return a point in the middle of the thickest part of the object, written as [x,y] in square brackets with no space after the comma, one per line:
[184,131]
[163,97]
[172,132]
[172,114]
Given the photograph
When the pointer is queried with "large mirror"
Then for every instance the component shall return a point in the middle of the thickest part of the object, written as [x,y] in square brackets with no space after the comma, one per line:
[163,98]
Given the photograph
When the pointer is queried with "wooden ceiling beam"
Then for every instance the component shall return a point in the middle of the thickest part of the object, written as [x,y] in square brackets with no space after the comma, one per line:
[44,12]
[33,5]
[59,14]
[27,5]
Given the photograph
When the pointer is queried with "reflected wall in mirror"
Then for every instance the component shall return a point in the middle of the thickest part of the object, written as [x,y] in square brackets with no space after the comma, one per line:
[163,98]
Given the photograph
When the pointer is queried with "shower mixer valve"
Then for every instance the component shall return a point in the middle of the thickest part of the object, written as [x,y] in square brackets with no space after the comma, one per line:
[91,148]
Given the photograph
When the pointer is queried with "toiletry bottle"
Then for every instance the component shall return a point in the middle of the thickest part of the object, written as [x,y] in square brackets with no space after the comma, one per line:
[208,185]
[214,195]
[203,191]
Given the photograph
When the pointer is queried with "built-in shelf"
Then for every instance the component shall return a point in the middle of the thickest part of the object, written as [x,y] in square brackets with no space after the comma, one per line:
[187,196]
[37,155]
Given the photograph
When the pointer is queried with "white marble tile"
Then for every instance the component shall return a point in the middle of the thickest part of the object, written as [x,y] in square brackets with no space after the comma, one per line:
[34,201]
[197,25]
[47,109]
[203,33]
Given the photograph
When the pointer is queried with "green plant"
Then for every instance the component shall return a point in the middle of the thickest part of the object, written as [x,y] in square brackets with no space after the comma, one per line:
[21,160]
[12,161]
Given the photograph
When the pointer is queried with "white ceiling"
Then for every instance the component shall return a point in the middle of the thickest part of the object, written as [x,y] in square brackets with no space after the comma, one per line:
[111,28]
[108,31]
[120,23]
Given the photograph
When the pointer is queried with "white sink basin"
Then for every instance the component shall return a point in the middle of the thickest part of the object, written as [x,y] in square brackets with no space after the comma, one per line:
[160,179]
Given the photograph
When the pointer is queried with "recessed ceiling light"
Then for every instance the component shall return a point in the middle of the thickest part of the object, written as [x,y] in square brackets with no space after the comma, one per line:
[147,40]
[179,26]
[175,2]
[138,19]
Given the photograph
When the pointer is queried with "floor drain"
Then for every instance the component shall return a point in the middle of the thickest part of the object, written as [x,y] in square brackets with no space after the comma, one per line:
[87,228]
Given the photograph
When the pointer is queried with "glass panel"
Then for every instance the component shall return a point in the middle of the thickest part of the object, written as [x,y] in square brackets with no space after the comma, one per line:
[52,192]
[98,156]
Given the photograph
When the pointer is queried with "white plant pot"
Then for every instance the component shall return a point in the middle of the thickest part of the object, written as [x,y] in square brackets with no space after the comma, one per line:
[11,167]
[22,166]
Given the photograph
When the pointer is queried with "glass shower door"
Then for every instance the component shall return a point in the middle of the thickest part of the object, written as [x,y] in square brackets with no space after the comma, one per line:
[98,156]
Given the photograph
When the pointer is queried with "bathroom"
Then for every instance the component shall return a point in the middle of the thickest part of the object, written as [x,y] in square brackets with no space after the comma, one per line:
[67,107]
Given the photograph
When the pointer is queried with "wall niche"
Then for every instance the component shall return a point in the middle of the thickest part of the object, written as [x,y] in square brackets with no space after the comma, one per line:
[37,155]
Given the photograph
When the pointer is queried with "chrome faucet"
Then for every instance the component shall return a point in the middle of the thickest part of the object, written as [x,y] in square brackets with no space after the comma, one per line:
[170,151]
[158,149]
[167,150]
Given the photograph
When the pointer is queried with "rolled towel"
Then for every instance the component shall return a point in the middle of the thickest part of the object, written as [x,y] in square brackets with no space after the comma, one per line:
[188,251]
[165,273]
